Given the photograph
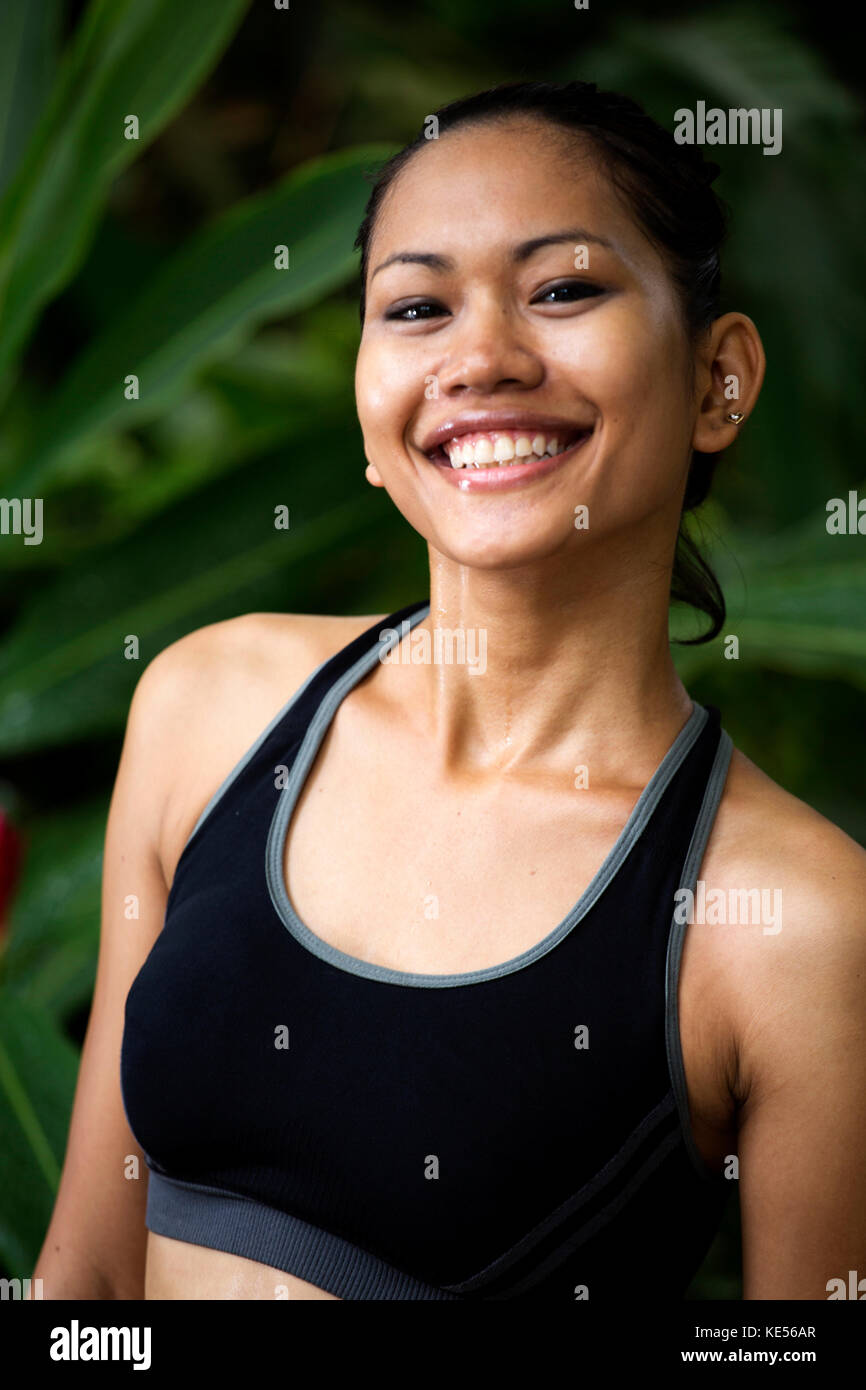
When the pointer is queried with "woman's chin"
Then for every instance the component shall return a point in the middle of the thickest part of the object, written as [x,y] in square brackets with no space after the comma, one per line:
[505,553]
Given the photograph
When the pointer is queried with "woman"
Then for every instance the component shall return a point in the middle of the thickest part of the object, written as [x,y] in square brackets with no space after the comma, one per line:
[438,1010]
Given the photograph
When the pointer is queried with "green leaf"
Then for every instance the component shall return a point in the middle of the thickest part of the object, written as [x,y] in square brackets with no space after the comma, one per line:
[796,602]
[256,401]
[806,620]
[748,58]
[50,956]
[37,1082]
[129,57]
[207,300]
[29,46]
[217,553]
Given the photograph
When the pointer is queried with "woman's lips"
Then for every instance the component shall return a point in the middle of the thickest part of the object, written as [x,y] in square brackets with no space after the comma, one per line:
[498,477]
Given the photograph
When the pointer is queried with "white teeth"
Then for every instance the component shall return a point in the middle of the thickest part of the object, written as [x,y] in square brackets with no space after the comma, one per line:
[500,447]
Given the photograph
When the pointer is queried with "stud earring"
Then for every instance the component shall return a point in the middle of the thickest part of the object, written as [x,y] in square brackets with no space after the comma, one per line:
[735,417]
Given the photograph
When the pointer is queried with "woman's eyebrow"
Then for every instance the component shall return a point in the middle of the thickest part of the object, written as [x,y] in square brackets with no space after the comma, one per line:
[433,260]
[577,235]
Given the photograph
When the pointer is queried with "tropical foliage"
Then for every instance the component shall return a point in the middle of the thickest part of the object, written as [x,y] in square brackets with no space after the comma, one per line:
[152,259]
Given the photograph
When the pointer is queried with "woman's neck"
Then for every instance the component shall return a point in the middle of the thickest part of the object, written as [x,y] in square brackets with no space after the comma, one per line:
[536,667]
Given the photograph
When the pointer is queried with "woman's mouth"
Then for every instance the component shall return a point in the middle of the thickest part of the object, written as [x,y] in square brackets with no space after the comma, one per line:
[499,458]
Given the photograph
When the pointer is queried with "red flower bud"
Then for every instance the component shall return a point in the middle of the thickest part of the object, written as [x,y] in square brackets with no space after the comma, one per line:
[10,865]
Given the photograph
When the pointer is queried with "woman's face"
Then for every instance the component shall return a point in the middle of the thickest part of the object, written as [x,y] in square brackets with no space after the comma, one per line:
[490,335]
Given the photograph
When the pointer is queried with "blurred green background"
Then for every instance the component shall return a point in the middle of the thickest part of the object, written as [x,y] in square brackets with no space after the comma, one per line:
[154,257]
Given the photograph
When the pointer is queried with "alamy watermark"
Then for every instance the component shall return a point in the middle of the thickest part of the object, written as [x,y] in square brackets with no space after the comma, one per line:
[22,516]
[855,1288]
[20,1289]
[77,1343]
[737,126]
[444,646]
[846,518]
[731,906]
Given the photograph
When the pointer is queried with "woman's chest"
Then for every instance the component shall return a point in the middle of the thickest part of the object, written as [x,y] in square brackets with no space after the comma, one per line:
[385,861]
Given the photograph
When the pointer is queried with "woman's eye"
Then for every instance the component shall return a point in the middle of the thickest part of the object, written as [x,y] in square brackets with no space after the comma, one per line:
[418,309]
[567,291]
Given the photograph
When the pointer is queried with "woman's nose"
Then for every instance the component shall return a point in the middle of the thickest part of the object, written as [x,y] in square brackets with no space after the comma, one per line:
[488,351]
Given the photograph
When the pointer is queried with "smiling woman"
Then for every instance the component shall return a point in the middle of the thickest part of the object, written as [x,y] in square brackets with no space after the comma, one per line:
[658,260]
[412,1012]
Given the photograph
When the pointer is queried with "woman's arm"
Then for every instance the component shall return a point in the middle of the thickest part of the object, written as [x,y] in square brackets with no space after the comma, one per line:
[802,1123]
[95,1244]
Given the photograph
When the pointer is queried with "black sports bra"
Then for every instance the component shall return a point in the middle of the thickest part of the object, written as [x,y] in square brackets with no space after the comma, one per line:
[520,1131]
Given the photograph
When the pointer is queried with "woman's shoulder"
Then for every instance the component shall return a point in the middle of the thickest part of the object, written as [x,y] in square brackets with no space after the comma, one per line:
[254,647]
[782,914]
[201,703]
[228,675]
[764,833]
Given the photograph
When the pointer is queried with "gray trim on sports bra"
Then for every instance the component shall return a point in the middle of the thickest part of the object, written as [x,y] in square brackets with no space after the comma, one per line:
[250,754]
[280,715]
[275,850]
[223,1220]
[691,868]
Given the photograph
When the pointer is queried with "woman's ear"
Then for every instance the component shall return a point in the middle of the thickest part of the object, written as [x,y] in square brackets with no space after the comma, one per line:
[729,375]
[371,473]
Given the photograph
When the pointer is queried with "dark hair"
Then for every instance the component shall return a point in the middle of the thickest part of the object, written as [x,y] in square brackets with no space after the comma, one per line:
[667,188]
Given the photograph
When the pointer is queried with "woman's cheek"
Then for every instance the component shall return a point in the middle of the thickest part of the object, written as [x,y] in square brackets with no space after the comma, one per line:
[616,358]
[374,397]
[387,392]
